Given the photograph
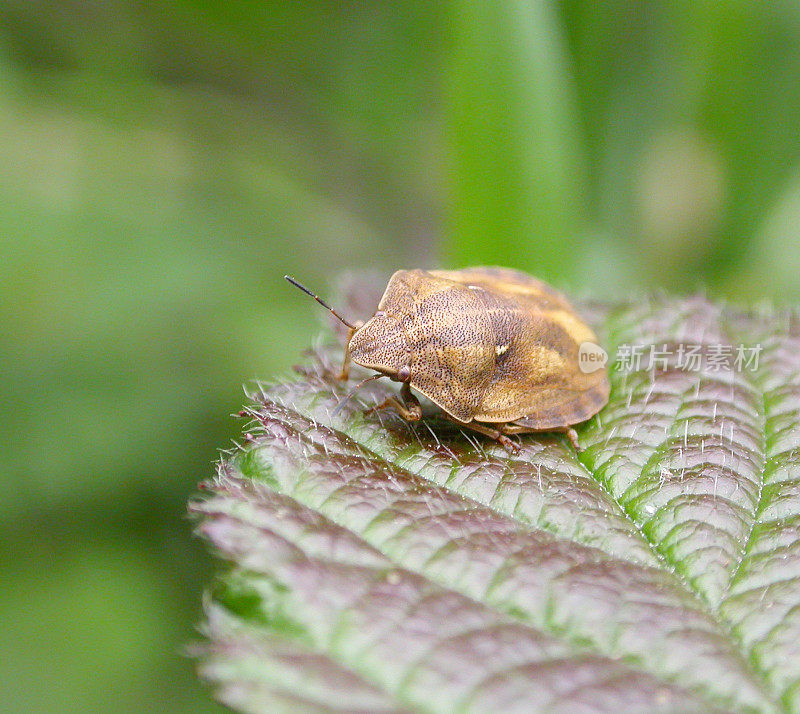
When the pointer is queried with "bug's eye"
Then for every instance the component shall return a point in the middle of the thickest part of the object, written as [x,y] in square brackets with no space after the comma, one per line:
[404,373]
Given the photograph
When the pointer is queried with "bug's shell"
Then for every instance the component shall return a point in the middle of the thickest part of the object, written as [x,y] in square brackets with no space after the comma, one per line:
[485,344]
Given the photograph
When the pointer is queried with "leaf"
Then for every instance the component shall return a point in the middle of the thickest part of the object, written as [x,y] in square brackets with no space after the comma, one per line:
[375,565]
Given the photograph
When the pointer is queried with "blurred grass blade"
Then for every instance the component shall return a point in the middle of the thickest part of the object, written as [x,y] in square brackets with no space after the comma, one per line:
[515,170]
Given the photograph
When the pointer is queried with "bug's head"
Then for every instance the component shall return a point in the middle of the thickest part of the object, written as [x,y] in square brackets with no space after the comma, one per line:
[379,344]
[382,345]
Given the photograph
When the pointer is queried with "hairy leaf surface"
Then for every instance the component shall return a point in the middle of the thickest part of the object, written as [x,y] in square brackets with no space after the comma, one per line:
[373,565]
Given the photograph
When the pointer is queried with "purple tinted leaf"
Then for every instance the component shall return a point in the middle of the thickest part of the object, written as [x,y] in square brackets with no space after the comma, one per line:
[375,565]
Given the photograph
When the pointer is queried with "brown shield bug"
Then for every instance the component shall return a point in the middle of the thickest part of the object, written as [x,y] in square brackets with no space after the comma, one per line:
[498,351]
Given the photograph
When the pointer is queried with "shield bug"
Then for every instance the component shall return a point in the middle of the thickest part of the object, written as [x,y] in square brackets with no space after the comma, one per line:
[498,351]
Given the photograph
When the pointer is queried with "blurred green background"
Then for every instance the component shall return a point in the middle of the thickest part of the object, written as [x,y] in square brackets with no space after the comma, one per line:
[163,165]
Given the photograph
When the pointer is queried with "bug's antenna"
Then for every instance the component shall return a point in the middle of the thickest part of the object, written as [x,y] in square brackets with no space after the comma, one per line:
[320,301]
[353,391]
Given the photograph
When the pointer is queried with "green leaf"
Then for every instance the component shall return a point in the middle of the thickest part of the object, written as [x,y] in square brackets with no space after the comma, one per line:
[376,565]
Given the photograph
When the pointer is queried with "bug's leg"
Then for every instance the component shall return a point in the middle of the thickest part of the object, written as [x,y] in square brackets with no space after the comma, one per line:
[495,434]
[409,408]
[572,435]
[344,375]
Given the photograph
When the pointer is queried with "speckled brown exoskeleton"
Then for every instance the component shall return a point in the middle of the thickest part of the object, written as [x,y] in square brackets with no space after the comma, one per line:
[498,351]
